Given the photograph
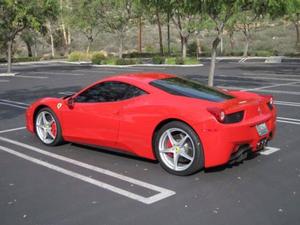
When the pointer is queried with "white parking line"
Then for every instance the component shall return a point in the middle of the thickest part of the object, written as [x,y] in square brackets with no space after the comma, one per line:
[260,78]
[290,122]
[271,74]
[4,81]
[13,129]
[279,92]
[14,102]
[9,104]
[296,104]
[66,93]
[97,71]
[163,193]
[268,150]
[59,73]
[270,86]
[267,91]
[90,180]
[286,118]
[32,77]
[201,79]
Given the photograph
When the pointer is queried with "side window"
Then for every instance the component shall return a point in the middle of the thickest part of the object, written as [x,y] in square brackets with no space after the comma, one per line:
[110,91]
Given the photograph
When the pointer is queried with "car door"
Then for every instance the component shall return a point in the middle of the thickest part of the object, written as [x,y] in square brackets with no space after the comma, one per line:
[94,117]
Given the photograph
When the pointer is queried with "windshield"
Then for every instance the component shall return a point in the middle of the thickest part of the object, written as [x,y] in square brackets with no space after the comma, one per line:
[192,89]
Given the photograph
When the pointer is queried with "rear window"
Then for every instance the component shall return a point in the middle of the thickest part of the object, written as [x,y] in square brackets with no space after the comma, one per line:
[188,88]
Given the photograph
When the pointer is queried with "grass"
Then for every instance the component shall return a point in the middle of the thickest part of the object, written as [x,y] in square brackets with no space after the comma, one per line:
[191,61]
[110,61]
[187,61]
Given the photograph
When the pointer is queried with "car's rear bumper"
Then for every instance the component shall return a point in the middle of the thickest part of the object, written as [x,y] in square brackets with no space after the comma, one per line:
[221,142]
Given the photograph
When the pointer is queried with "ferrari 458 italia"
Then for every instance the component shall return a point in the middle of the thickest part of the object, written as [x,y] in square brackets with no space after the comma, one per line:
[183,124]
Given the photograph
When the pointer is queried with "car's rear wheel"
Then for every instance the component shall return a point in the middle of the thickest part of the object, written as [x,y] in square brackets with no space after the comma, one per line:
[48,128]
[179,149]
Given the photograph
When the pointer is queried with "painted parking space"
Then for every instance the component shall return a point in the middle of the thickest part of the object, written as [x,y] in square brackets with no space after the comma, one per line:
[162,192]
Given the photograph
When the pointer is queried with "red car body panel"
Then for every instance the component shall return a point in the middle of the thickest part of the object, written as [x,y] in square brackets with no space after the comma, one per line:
[130,125]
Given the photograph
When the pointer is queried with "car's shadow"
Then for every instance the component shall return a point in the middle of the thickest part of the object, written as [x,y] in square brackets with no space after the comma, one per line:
[230,165]
[128,155]
[114,152]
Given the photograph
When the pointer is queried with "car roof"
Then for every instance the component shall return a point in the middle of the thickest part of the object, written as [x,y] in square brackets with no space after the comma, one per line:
[141,80]
[140,77]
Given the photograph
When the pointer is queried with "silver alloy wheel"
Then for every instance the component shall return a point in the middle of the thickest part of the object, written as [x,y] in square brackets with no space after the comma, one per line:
[176,149]
[46,127]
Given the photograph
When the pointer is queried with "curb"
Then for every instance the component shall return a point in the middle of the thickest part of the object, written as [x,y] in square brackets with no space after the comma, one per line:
[34,62]
[90,64]
[144,65]
[8,74]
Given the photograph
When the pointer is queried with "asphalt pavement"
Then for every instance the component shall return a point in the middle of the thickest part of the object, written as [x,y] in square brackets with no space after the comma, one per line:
[75,184]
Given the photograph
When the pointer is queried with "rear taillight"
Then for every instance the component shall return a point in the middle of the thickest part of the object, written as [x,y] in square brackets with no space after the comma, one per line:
[270,102]
[218,113]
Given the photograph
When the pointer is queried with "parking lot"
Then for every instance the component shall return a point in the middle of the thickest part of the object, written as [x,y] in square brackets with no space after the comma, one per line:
[75,184]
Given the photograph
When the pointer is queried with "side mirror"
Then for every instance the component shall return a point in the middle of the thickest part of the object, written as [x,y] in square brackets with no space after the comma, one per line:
[70,102]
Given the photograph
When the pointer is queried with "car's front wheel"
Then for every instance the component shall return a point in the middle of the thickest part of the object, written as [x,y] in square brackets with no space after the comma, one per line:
[48,128]
[179,149]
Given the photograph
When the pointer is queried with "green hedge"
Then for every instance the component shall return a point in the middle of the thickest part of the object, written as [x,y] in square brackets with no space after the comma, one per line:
[158,60]
[125,62]
[98,58]
[179,61]
[79,56]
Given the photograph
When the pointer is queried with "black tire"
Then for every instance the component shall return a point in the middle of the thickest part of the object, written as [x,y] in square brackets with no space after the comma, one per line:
[198,161]
[58,139]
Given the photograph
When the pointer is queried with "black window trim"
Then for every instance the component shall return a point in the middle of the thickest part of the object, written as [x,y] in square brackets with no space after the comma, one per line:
[115,81]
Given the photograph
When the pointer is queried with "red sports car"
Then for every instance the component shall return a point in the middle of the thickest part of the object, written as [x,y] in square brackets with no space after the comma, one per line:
[182,123]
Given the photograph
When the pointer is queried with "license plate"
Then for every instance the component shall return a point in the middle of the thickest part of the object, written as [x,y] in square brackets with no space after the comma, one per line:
[262,129]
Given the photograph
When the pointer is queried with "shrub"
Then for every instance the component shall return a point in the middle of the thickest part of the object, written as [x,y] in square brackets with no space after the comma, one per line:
[191,61]
[179,61]
[125,62]
[109,61]
[150,48]
[139,55]
[98,58]
[25,59]
[263,53]
[79,56]
[158,60]
[192,48]
[170,60]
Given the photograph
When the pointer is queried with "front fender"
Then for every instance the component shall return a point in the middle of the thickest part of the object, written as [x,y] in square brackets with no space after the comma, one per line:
[53,103]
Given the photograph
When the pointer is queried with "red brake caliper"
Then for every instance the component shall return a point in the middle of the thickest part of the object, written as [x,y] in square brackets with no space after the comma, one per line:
[169,145]
[53,128]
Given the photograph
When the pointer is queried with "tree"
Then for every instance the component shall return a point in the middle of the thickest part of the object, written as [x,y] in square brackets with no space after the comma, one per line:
[87,17]
[220,12]
[18,15]
[140,30]
[28,37]
[117,17]
[138,18]
[186,21]
[244,22]
[293,15]
[155,10]
[65,12]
